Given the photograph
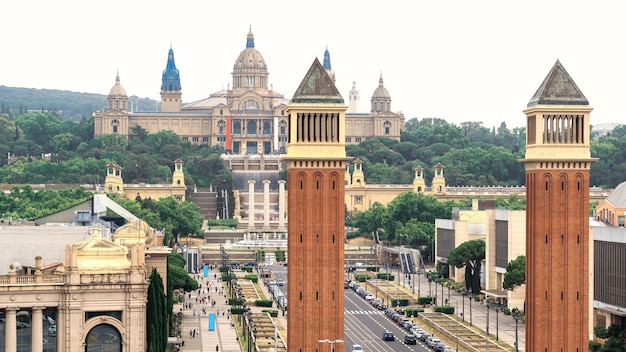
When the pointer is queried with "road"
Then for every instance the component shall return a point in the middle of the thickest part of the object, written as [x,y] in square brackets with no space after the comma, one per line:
[364,324]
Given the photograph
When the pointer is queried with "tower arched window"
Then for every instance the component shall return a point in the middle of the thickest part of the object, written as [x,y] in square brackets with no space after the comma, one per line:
[221,124]
[283,127]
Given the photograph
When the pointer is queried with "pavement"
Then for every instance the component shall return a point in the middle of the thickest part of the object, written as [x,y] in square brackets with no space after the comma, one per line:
[224,336]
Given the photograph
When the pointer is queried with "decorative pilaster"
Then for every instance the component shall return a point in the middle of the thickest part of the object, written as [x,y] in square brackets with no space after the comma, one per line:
[37,330]
[251,205]
[10,334]
[266,204]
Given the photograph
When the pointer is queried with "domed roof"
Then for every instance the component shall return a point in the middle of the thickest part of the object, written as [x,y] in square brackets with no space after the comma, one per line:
[117,89]
[381,91]
[250,58]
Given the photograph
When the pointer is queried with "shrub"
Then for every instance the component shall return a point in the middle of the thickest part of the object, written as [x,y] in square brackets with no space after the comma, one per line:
[426,300]
[385,276]
[413,312]
[444,309]
[506,311]
[264,303]
[362,277]
[247,268]
[252,277]
[273,312]
[235,301]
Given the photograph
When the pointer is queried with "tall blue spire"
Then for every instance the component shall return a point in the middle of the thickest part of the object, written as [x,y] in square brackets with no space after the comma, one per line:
[326,64]
[170,80]
[250,39]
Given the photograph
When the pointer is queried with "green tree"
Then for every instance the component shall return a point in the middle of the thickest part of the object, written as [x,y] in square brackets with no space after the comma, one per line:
[469,255]
[515,274]
[614,338]
[180,279]
[156,314]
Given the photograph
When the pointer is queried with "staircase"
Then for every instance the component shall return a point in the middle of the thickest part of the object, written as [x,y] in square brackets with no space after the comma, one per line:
[206,200]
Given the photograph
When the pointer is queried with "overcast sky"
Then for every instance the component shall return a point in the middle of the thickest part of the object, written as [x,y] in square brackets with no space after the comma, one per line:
[456,60]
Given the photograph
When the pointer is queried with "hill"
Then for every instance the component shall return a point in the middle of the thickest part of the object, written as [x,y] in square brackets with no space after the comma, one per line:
[62,103]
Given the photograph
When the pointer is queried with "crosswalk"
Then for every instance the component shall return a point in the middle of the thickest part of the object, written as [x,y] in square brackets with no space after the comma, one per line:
[364,312]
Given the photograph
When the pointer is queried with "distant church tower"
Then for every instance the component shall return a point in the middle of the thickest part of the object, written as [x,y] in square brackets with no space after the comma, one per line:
[316,164]
[353,104]
[171,93]
[557,165]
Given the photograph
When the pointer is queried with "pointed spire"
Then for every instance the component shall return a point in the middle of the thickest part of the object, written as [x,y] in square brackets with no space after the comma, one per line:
[317,87]
[250,39]
[380,80]
[170,80]
[327,60]
[558,88]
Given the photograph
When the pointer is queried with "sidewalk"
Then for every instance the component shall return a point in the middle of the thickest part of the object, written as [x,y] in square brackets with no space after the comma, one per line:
[224,336]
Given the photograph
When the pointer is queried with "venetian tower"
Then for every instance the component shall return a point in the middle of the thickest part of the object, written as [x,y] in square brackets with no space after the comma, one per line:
[557,165]
[171,93]
[316,163]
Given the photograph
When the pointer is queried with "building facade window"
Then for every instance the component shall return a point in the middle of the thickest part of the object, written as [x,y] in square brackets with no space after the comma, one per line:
[237,127]
[251,126]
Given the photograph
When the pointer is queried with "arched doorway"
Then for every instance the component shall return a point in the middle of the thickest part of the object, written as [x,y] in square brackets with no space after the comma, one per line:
[103,338]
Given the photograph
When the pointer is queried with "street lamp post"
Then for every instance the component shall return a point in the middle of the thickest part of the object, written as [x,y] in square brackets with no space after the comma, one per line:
[463,314]
[487,330]
[471,297]
[516,319]
[331,342]
[497,323]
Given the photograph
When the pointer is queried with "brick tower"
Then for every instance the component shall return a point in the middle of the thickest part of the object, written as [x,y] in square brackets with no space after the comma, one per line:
[557,164]
[316,163]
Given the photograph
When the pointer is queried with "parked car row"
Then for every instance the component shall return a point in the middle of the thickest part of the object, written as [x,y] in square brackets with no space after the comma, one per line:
[416,333]
[376,302]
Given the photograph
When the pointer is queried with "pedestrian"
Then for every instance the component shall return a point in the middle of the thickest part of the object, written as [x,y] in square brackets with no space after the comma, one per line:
[191,333]
[217,348]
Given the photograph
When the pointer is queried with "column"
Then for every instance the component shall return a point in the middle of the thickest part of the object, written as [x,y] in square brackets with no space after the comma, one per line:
[37,330]
[237,210]
[250,204]
[266,204]
[10,334]
[281,205]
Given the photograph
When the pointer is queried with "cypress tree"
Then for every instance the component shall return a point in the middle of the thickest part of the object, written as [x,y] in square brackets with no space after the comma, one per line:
[156,314]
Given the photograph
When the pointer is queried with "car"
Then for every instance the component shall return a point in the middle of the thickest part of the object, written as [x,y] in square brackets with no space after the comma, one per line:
[250,264]
[432,341]
[52,330]
[410,340]
[280,282]
[356,348]
[439,347]
[447,349]
[388,336]
[369,296]
[424,336]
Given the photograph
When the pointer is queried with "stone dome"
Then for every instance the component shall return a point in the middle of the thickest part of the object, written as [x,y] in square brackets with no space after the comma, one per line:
[381,91]
[117,90]
[250,59]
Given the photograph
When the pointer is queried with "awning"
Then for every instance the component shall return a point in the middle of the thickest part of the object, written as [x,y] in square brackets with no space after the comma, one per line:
[495,293]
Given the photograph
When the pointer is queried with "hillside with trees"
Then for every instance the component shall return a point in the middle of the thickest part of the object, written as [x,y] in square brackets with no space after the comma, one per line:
[65,104]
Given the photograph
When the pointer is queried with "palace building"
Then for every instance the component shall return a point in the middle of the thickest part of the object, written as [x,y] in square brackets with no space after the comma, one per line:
[247,118]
